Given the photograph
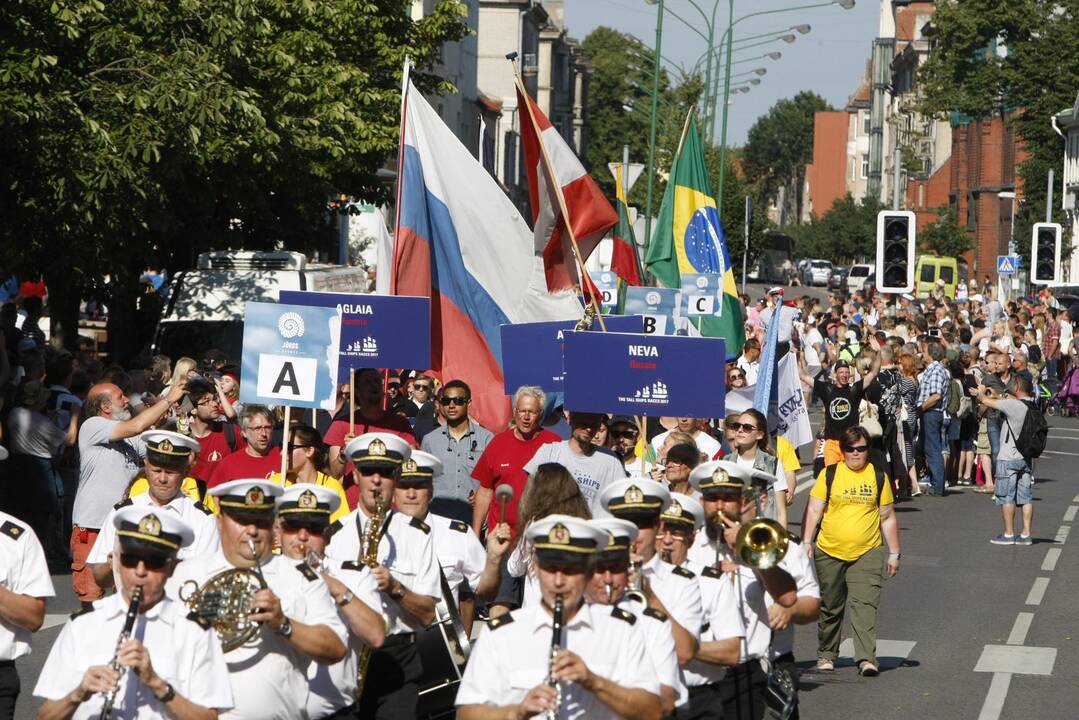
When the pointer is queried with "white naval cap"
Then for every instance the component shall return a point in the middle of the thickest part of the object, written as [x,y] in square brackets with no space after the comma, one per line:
[378,448]
[149,529]
[246,496]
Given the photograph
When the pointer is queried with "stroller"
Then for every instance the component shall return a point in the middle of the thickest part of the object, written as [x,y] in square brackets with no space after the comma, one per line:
[1067,398]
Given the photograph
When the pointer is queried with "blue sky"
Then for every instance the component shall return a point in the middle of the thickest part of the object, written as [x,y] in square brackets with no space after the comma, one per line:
[829,60]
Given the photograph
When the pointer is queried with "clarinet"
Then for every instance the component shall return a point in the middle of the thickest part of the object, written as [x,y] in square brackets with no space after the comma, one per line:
[129,624]
[556,646]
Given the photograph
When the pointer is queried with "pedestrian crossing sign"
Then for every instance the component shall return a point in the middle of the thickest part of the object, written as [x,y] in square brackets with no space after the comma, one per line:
[1007,264]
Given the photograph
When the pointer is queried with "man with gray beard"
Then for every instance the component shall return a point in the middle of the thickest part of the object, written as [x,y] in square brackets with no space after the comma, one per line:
[110,453]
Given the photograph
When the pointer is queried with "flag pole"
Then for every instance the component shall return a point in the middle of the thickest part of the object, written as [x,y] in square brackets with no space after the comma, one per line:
[552,178]
[394,259]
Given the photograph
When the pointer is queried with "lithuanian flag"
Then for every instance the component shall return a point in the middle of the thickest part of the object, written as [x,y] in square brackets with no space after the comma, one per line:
[689,239]
[624,259]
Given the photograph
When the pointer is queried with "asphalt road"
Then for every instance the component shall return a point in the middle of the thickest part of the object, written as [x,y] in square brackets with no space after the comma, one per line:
[966,630]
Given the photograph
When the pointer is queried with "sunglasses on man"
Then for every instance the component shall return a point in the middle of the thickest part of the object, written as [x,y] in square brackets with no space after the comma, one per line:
[856,449]
[152,562]
[458,401]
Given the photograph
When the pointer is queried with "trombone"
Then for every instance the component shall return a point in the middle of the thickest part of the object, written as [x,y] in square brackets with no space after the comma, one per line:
[761,543]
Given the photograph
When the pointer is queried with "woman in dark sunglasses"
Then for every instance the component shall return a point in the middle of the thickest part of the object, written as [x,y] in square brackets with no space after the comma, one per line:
[308,457]
[753,449]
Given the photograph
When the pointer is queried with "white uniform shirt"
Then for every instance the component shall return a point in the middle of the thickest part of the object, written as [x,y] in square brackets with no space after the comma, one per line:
[268,674]
[511,657]
[182,652]
[406,550]
[459,552]
[753,602]
[677,588]
[721,620]
[655,627]
[197,516]
[23,571]
[333,687]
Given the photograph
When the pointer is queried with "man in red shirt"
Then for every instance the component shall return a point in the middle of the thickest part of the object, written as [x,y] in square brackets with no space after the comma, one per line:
[258,459]
[505,457]
[216,439]
[370,417]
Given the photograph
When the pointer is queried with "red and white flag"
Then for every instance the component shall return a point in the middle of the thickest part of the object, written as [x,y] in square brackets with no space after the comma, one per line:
[590,213]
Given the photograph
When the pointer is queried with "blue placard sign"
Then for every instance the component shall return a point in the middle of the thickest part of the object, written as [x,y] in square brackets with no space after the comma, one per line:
[702,294]
[532,352]
[644,374]
[290,355]
[659,306]
[377,331]
[607,284]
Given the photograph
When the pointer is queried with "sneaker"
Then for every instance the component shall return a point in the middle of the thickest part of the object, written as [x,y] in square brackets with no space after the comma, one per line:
[825,665]
[1003,539]
[868,669]
[1024,540]
[966,482]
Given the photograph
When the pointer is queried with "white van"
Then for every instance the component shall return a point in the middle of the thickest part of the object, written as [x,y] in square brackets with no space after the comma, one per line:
[205,306]
[857,276]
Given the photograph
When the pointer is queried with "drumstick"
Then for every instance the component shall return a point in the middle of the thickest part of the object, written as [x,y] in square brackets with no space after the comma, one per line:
[503,493]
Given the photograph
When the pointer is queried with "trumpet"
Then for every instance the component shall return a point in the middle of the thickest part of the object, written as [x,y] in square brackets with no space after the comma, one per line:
[635,585]
[761,543]
[556,645]
[129,625]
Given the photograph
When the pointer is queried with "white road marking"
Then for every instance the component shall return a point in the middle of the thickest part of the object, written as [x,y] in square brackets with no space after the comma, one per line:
[994,699]
[1051,557]
[1017,660]
[1062,533]
[1075,499]
[1069,514]
[1037,592]
[1020,629]
[1059,452]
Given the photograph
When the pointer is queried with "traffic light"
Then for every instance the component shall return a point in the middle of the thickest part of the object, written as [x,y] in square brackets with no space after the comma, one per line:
[1045,254]
[895,251]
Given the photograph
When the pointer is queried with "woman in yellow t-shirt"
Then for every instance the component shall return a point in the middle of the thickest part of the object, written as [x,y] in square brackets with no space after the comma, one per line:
[307,457]
[847,551]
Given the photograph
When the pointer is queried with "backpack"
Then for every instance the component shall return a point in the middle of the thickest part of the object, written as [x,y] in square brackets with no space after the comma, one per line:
[1030,442]
[1034,353]
[955,394]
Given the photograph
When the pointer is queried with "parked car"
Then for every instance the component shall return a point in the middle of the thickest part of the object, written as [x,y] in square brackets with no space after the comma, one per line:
[817,272]
[857,275]
[838,279]
[869,285]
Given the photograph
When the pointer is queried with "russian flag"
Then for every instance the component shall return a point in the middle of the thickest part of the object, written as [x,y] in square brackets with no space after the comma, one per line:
[460,241]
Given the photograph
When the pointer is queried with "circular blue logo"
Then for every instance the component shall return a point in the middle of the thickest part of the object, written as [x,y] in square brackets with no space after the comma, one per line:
[702,241]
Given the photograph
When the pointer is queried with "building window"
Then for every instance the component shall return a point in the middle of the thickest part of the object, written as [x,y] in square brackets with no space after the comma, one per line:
[865,123]
[865,167]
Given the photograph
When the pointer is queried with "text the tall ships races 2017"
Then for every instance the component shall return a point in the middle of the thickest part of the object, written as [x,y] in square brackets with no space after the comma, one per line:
[642,351]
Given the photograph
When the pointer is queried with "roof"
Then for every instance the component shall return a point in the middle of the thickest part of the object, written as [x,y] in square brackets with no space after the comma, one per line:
[1070,116]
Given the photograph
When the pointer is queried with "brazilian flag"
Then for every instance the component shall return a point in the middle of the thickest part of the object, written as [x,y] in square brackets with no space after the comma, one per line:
[689,239]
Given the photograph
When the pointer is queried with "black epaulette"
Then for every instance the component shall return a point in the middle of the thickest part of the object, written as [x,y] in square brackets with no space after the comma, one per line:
[624,615]
[352,565]
[421,525]
[334,527]
[794,538]
[82,611]
[684,572]
[459,526]
[12,530]
[307,571]
[495,623]
[122,504]
[711,571]
[200,620]
[203,509]
[657,614]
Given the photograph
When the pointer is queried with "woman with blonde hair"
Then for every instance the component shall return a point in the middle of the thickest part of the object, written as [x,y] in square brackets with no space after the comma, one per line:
[908,416]
[184,368]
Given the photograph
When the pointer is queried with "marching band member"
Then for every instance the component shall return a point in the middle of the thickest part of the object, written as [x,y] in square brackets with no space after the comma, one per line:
[468,568]
[404,567]
[610,575]
[167,665]
[723,630]
[303,518]
[668,588]
[769,600]
[596,669]
[298,619]
[26,582]
[169,456]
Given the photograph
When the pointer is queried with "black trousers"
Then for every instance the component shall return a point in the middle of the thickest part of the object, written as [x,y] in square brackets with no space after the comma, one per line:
[742,691]
[392,686]
[9,689]
[705,703]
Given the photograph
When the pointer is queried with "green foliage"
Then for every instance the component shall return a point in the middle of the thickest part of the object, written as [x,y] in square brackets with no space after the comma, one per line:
[780,143]
[142,132]
[845,234]
[944,236]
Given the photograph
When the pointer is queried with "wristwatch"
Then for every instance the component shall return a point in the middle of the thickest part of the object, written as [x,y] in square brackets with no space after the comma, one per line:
[346,598]
[398,592]
[893,556]
[285,630]
[170,693]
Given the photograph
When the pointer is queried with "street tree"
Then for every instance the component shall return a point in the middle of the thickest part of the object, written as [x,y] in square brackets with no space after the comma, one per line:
[944,236]
[141,133]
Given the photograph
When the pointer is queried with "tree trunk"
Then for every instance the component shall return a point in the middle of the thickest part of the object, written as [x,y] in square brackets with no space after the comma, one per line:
[64,302]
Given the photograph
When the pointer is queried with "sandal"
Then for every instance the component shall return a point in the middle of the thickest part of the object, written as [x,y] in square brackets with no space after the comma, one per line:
[825,665]
[868,669]
[985,490]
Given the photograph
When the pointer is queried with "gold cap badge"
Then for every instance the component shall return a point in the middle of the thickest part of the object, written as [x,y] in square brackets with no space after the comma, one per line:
[307,500]
[559,535]
[255,496]
[633,494]
[376,447]
[150,525]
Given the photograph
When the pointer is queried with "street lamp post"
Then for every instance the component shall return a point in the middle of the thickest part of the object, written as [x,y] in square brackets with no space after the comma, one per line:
[652,126]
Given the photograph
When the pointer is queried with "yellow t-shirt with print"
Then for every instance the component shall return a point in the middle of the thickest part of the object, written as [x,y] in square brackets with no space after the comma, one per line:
[851,524]
[327,481]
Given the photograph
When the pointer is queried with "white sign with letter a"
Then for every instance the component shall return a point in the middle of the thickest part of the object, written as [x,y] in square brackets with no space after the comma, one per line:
[289,379]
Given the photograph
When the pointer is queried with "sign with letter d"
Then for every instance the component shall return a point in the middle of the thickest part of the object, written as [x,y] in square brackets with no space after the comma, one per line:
[290,355]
